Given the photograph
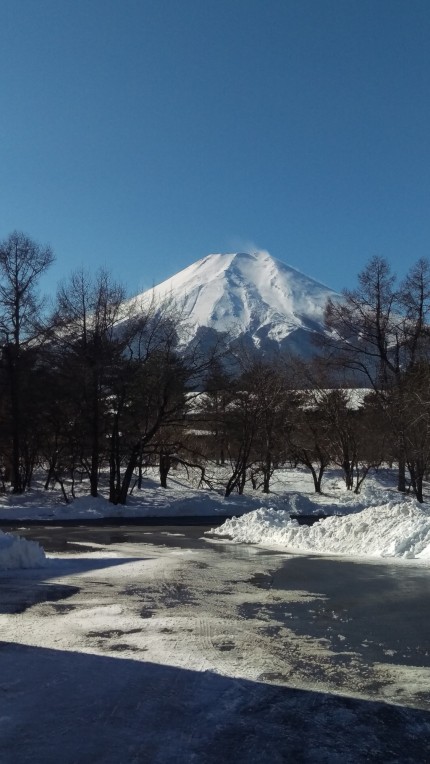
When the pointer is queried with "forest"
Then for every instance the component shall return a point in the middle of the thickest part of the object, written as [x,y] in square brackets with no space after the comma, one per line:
[97,386]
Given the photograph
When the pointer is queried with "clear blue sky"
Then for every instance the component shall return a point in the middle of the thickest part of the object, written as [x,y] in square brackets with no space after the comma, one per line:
[144,134]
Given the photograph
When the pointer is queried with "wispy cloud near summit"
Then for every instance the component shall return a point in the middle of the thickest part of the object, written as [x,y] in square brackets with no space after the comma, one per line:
[240,244]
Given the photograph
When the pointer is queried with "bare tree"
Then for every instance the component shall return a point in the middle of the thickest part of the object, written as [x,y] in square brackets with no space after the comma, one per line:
[269,383]
[382,332]
[87,316]
[412,406]
[309,441]
[22,262]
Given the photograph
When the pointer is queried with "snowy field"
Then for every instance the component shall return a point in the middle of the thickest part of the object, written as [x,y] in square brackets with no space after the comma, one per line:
[377,523]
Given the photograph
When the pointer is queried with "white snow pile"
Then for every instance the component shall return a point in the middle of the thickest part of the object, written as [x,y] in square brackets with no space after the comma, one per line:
[395,529]
[16,552]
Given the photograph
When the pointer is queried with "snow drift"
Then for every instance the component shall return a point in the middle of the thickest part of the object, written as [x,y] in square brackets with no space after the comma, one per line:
[16,552]
[395,529]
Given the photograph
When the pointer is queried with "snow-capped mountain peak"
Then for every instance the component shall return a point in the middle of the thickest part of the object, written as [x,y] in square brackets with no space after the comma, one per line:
[250,294]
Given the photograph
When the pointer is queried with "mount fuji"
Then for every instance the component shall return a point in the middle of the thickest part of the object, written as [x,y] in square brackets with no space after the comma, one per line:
[252,297]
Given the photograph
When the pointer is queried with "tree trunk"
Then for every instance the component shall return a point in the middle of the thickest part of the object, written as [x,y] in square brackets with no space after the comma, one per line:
[114,463]
[348,471]
[242,480]
[416,481]
[419,489]
[401,478]
[165,464]
[95,455]
[51,468]
[128,474]
[267,472]
[12,352]
[316,478]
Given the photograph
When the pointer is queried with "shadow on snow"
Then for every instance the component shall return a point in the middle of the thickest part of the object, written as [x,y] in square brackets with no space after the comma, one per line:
[79,708]
[21,589]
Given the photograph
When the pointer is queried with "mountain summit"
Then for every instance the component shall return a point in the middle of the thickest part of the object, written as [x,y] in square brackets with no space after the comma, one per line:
[251,296]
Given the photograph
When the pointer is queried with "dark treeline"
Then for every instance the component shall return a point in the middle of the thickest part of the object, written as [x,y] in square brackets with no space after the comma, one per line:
[99,387]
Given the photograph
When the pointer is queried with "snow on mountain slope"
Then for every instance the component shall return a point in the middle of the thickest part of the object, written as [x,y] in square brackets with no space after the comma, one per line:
[246,294]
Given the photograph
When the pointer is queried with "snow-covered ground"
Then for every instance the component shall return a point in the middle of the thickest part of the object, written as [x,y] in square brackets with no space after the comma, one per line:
[379,522]
[147,648]
[151,646]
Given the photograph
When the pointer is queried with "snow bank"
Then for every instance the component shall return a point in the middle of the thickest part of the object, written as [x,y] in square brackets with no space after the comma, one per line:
[395,529]
[336,500]
[16,552]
